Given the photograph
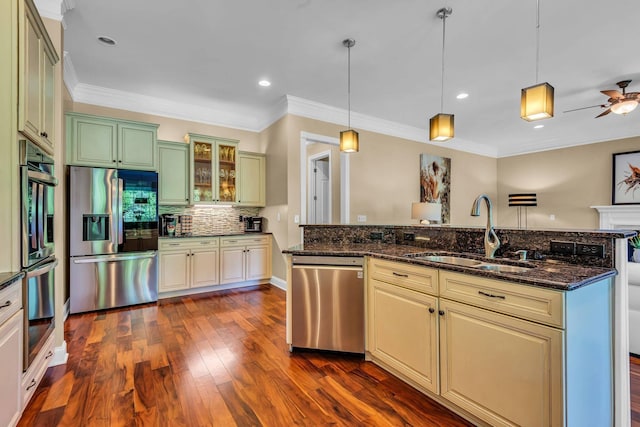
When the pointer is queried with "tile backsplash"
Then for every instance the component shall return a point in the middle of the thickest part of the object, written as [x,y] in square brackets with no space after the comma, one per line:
[212,220]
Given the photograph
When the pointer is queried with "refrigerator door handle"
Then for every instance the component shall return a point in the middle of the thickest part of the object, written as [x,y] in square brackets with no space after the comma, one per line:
[119,211]
[114,258]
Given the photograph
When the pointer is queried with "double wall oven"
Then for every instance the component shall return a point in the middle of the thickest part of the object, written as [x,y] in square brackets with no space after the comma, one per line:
[38,249]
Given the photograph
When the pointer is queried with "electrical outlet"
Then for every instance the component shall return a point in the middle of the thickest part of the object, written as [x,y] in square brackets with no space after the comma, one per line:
[590,249]
[563,248]
[409,237]
[375,235]
[362,218]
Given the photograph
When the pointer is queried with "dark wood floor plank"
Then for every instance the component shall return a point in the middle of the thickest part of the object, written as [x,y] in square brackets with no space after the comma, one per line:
[221,359]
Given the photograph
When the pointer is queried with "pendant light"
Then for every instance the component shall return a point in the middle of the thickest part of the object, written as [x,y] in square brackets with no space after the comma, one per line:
[441,125]
[536,102]
[349,138]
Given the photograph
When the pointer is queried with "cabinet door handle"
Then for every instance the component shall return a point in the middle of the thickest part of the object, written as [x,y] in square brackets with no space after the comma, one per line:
[492,295]
[114,161]
[6,304]
[48,355]
[32,384]
[174,244]
[400,275]
[432,310]
[441,312]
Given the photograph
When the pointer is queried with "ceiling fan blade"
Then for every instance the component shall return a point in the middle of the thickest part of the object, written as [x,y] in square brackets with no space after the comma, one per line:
[584,108]
[604,113]
[612,94]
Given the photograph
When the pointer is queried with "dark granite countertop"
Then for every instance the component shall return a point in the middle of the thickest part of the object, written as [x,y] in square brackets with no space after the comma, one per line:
[8,278]
[547,273]
[234,233]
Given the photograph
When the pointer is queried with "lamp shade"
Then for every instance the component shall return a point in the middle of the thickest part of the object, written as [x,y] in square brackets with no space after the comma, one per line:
[624,107]
[426,211]
[523,199]
[441,127]
[349,141]
[536,102]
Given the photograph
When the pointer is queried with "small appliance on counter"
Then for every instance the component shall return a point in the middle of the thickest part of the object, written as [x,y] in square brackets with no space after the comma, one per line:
[168,224]
[253,223]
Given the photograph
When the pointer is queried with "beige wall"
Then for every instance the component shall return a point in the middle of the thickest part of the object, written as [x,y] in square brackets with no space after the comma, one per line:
[567,181]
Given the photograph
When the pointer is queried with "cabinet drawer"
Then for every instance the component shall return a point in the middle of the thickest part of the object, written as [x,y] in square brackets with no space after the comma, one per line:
[10,300]
[34,374]
[244,240]
[188,243]
[526,302]
[421,279]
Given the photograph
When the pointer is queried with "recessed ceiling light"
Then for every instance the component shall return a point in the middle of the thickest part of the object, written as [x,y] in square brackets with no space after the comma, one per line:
[462,95]
[107,40]
[264,83]
[538,126]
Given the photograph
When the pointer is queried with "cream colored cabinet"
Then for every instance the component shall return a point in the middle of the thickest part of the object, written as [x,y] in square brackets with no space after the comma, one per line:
[502,369]
[188,263]
[36,94]
[251,179]
[404,332]
[504,353]
[111,143]
[173,173]
[11,330]
[214,171]
[245,258]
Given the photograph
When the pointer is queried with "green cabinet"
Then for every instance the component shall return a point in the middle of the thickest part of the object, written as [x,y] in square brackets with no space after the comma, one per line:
[173,173]
[105,142]
[213,169]
[251,179]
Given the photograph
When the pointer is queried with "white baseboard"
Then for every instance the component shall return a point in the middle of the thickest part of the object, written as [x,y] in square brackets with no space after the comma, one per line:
[278,283]
[213,288]
[60,355]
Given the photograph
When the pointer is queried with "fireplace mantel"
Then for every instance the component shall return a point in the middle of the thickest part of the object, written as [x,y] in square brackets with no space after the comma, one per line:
[619,216]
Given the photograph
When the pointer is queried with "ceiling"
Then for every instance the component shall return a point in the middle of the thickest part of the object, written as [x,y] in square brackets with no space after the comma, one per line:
[203,62]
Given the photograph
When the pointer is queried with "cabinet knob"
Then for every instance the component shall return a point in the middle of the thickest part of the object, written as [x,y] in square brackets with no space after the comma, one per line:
[441,312]
[432,310]
[114,161]
[120,161]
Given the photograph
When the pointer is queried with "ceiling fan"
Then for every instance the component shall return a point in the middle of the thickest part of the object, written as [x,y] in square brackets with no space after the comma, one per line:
[618,103]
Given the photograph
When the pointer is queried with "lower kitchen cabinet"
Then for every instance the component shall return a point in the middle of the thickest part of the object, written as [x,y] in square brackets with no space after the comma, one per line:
[188,263]
[11,369]
[32,377]
[245,258]
[404,326]
[501,353]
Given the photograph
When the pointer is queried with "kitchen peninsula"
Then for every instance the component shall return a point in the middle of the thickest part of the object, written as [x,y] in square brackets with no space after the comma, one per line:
[500,341]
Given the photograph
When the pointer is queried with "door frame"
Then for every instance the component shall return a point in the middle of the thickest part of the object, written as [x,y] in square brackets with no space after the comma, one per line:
[311,180]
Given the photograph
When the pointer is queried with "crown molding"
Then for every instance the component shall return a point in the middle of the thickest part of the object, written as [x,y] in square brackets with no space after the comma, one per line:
[69,76]
[314,110]
[51,9]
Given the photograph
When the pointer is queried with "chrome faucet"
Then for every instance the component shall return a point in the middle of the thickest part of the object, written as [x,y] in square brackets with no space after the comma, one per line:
[491,241]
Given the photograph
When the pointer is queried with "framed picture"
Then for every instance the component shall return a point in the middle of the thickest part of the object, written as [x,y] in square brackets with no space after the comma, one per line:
[626,178]
[435,182]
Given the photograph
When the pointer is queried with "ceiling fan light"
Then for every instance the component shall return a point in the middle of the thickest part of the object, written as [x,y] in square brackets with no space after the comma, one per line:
[349,142]
[624,107]
[441,127]
[536,102]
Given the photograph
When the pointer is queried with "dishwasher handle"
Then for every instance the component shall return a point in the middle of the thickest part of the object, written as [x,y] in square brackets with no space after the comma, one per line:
[326,267]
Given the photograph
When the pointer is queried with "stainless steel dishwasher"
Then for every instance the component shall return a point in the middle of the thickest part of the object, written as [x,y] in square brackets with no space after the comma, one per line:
[327,303]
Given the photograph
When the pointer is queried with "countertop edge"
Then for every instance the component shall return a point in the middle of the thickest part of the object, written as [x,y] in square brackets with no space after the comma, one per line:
[8,278]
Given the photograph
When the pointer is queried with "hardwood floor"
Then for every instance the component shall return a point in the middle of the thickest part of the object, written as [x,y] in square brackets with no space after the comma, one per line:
[217,359]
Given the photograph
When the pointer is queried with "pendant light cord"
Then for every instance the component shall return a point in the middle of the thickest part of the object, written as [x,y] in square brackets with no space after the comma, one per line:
[349,85]
[444,20]
[537,38]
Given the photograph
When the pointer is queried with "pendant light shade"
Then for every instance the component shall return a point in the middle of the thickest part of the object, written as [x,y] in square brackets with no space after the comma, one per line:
[441,125]
[349,141]
[536,102]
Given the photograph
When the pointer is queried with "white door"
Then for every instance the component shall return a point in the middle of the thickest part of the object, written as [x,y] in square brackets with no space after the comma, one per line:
[320,194]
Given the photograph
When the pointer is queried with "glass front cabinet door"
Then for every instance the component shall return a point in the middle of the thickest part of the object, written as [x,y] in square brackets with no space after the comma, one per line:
[213,169]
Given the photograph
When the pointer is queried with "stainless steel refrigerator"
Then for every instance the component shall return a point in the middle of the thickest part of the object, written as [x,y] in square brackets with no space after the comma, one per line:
[113,238]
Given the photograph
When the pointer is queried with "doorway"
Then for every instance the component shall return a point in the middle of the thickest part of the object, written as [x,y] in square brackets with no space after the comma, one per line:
[320,185]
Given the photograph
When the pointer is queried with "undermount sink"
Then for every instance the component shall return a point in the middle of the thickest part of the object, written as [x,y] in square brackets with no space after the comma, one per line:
[501,268]
[467,262]
[455,260]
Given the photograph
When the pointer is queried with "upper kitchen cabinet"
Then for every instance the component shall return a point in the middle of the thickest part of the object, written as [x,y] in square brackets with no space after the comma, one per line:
[36,94]
[251,179]
[173,173]
[111,143]
[213,169]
